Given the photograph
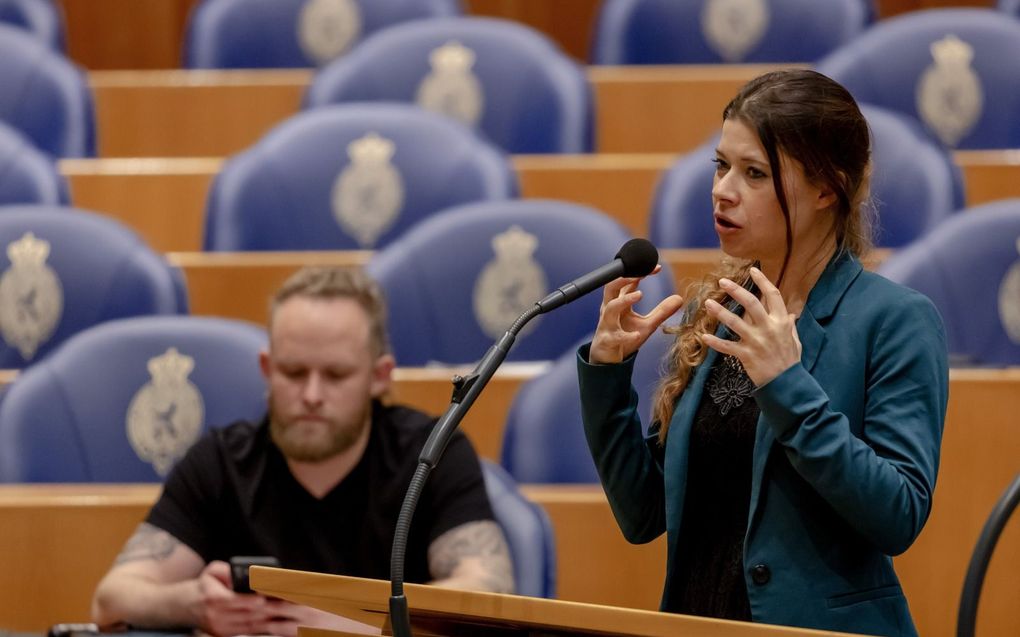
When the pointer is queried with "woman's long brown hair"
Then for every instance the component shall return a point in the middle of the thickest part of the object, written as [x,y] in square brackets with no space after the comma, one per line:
[807,116]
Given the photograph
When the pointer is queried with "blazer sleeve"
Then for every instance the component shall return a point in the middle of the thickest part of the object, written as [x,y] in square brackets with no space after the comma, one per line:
[629,464]
[881,482]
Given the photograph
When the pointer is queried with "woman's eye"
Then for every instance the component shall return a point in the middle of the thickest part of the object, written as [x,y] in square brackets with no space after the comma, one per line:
[720,165]
[754,173]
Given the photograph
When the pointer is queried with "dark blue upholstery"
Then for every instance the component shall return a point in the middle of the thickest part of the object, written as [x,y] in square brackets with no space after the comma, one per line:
[969,266]
[238,34]
[891,64]
[42,18]
[73,416]
[281,193]
[432,274]
[102,271]
[543,438]
[534,99]
[44,96]
[1010,6]
[676,31]
[28,175]
[528,532]
[915,185]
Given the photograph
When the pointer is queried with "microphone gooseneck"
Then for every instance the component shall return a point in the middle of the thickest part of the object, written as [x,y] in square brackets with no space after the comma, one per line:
[637,258]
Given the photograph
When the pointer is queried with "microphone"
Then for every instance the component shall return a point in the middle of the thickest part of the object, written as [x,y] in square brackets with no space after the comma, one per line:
[637,258]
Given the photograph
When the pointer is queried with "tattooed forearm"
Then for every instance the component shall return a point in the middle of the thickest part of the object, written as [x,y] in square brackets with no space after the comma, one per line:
[148,543]
[477,551]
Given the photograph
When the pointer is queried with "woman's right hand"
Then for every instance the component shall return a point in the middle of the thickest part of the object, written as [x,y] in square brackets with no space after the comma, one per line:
[621,330]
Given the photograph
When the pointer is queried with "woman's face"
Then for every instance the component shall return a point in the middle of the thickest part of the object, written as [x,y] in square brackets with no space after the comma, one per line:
[748,217]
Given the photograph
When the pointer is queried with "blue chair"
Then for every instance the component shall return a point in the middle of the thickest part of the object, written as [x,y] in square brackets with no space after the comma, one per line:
[351,176]
[915,185]
[459,279]
[507,79]
[543,437]
[528,532]
[239,34]
[63,270]
[45,96]
[42,18]
[714,31]
[123,401]
[969,266]
[28,175]
[953,69]
[1009,6]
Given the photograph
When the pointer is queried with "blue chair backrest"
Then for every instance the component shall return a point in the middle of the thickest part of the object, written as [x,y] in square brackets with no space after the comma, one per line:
[714,31]
[915,185]
[44,96]
[27,174]
[953,69]
[969,266]
[456,281]
[237,34]
[1009,6]
[123,401]
[507,79]
[528,532]
[41,18]
[63,270]
[543,438]
[352,176]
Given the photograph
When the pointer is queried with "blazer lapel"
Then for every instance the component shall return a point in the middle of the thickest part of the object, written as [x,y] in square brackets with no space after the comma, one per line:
[821,304]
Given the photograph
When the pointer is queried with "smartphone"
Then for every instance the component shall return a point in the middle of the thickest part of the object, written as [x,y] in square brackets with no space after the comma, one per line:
[239,570]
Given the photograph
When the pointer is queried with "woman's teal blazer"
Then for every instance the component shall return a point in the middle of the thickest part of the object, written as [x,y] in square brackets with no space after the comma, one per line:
[844,464]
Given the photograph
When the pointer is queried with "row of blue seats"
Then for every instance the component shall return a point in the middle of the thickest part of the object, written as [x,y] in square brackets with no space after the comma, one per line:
[952,69]
[356,176]
[487,261]
[164,378]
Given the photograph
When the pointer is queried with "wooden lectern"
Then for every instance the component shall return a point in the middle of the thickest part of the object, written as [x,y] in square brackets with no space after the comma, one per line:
[446,612]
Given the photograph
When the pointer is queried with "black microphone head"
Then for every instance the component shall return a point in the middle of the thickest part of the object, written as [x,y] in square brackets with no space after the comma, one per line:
[639,257]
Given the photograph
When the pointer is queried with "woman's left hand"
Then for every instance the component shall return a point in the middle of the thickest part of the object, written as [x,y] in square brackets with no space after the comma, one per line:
[768,343]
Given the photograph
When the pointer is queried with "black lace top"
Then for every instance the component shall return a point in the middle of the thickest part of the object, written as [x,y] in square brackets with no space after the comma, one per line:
[709,574]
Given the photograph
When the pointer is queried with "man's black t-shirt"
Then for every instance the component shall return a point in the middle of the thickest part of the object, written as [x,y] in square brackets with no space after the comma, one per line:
[233,494]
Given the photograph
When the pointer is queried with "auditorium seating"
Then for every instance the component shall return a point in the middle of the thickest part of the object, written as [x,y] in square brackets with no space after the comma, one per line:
[27,174]
[915,186]
[123,401]
[458,280]
[708,31]
[528,532]
[244,34]
[969,266]
[953,69]
[350,176]
[543,437]
[510,81]
[65,269]
[44,96]
[41,18]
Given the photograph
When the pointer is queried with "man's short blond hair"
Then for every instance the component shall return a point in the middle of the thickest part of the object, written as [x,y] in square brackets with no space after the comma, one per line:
[327,283]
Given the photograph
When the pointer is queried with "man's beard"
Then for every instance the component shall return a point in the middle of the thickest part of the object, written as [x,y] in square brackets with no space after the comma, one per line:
[334,439]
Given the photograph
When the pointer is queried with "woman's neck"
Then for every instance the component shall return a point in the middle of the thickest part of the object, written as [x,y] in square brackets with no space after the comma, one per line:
[802,272]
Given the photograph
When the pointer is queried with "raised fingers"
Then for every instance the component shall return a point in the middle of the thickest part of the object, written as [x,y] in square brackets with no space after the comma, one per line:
[770,294]
[612,289]
[753,308]
[727,318]
[666,308]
